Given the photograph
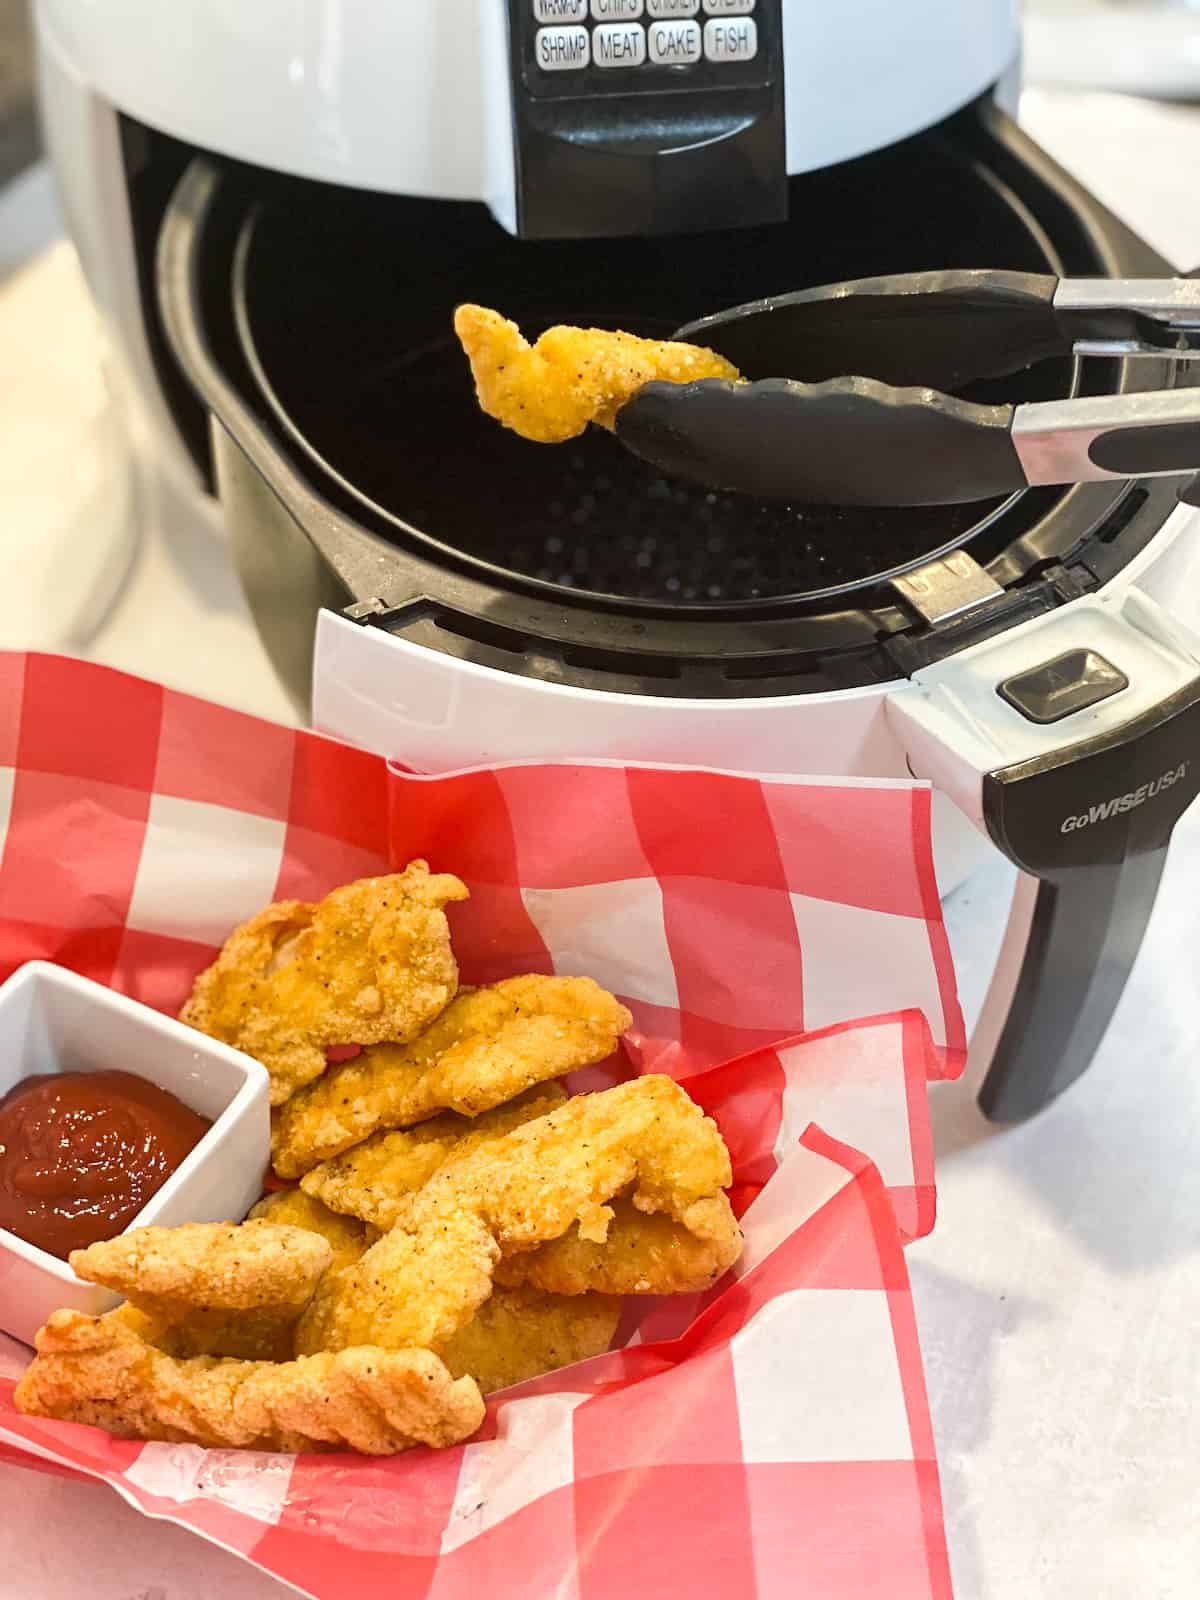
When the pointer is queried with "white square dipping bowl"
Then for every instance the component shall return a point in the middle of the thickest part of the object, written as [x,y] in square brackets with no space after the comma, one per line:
[51,1020]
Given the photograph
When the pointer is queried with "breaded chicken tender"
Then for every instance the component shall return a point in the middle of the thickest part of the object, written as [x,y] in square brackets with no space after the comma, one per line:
[487,1047]
[521,1333]
[641,1255]
[425,1279]
[96,1370]
[559,1172]
[411,1290]
[234,1266]
[551,391]
[204,1288]
[371,1180]
[372,961]
[346,1236]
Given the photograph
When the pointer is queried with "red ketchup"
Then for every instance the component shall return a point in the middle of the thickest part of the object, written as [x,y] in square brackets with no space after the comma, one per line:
[82,1152]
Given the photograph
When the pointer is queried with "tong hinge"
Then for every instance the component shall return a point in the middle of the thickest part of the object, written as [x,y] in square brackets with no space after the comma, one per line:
[1130,316]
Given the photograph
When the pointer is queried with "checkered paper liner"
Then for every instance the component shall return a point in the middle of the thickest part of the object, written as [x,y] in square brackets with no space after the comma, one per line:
[773,1431]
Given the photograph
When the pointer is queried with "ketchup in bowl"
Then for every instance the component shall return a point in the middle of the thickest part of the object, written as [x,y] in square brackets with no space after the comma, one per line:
[82,1152]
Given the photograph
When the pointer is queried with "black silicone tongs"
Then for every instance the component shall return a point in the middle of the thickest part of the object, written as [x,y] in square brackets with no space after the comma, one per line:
[900,436]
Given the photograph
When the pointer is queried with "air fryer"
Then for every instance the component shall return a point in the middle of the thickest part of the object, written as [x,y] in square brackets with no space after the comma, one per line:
[357,472]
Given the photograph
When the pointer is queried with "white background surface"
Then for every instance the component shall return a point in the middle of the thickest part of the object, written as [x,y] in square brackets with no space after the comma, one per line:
[1059,1298]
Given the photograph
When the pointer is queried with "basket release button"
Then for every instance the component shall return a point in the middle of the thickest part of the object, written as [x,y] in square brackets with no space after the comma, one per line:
[1072,682]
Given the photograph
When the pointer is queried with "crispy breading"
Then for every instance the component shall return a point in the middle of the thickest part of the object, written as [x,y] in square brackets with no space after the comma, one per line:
[346,1235]
[487,1047]
[562,1171]
[213,1288]
[521,1333]
[370,1180]
[228,1265]
[372,961]
[97,1370]
[641,1255]
[410,1290]
[424,1280]
[552,390]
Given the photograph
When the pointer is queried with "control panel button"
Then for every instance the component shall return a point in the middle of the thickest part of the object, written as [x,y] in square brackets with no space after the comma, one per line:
[560,10]
[617,44]
[617,10]
[729,8]
[1072,682]
[736,40]
[672,8]
[674,44]
[562,49]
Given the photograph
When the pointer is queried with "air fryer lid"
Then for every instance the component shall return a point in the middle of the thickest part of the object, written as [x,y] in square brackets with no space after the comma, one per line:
[344,314]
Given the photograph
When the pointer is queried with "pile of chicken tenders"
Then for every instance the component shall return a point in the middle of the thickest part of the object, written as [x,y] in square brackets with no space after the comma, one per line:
[447,1220]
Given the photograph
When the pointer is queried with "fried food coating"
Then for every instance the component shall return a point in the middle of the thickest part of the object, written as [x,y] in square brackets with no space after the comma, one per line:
[540,1180]
[425,1279]
[411,1290]
[371,1180]
[641,1255]
[551,391]
[97,1370]
[521,1333]
[215,1288]
[346,1236]
[487,1047]
[228,1265]
[372,961]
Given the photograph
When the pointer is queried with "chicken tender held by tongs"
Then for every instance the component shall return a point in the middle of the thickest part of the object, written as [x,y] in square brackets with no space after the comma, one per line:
[552,390]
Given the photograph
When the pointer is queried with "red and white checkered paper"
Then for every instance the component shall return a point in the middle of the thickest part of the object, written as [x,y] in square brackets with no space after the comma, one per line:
[781,946]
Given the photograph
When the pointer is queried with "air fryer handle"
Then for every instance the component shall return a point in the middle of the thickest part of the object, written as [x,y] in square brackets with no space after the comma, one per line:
[1092,823]
[1086,931]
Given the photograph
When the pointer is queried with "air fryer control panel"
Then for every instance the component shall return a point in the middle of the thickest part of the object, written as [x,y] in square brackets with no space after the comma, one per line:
[647,116]
[576,48]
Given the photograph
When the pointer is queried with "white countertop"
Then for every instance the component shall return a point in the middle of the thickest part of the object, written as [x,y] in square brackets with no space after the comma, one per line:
[1059,1297]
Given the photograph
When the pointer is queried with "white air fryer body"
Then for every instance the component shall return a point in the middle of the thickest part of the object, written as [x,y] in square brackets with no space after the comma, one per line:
[436,712]
[413,98]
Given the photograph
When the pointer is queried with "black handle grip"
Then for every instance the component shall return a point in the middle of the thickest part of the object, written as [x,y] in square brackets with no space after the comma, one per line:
[851,442]
[1093,822]
[1087,929]
[1133,452]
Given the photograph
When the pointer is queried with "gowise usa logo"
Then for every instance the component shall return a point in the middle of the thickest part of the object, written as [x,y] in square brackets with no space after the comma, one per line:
[1121,803]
